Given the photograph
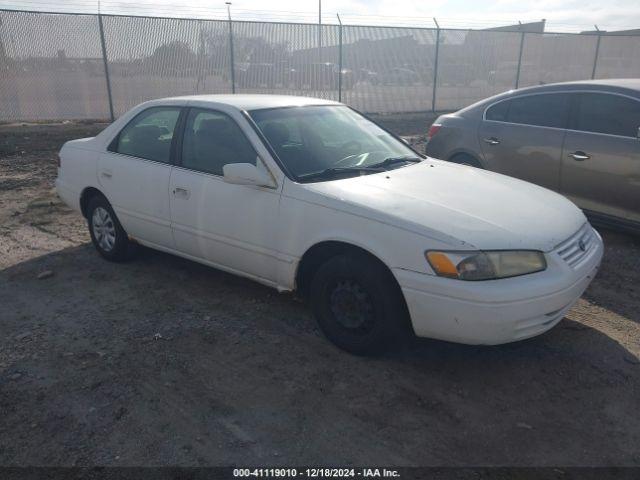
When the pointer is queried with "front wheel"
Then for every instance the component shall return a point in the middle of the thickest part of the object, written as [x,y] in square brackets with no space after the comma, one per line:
[107,235]
[357,304]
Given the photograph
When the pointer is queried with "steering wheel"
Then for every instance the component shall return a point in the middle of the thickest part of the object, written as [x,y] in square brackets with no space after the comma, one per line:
[375,154]
[352,146]
[344,160]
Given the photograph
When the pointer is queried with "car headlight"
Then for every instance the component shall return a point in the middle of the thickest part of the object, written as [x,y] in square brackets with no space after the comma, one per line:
[487,265]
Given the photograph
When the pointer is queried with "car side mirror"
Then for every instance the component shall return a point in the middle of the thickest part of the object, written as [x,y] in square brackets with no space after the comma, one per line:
[247,174]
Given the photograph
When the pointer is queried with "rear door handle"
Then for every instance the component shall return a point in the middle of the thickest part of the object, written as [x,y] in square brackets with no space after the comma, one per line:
[181,192]
[106,173]
[491,141]
[579,156]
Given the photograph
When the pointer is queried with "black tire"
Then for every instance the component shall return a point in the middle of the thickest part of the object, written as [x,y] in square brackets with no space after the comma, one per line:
[357,304]
[465,159]
[120,249]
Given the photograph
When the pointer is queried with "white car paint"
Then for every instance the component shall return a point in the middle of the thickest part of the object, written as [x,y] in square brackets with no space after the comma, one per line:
[263,232]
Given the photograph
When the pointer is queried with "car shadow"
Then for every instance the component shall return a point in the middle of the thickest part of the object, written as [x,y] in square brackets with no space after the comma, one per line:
[168,361]
[616,287]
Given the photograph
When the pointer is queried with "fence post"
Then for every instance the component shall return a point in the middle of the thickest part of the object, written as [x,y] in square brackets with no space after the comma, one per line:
[231,58]
[106,66]
[520,58]
[435,67]
[319,31]
[339,58]
[595,58]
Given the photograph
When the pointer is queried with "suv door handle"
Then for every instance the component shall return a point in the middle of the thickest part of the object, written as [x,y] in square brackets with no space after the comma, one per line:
[106,173]
[579,156]
[181,192]
[491,141]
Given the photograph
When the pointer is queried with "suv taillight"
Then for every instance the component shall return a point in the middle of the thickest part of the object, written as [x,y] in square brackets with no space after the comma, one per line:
[435,128]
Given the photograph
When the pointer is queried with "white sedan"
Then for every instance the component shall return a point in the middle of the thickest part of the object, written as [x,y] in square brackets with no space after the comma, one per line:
[308,195]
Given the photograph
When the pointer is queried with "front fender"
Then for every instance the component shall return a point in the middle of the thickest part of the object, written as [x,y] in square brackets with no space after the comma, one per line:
[311,224]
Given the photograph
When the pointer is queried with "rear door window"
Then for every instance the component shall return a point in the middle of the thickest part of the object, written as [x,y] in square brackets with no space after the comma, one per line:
[149,134]
[606,113]
[543,110]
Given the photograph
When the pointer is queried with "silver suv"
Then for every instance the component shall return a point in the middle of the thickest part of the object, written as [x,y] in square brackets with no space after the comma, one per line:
[581,139]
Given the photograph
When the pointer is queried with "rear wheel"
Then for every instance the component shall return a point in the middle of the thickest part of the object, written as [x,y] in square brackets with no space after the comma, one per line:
[357,304]
[107,235]
[465,159]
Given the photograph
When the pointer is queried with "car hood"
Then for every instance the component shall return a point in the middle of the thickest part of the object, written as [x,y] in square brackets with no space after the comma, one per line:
[462,206]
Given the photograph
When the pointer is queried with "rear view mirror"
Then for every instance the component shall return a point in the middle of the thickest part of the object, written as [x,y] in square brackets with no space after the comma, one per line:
[247,174]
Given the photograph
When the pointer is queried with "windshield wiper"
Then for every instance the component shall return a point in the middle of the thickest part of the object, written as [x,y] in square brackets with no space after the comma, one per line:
[395,160]
[333,171]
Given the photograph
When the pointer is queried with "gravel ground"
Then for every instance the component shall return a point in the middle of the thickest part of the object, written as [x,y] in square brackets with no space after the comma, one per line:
[163,361]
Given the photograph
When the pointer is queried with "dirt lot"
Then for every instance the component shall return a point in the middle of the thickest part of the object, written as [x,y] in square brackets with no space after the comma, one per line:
[163,361]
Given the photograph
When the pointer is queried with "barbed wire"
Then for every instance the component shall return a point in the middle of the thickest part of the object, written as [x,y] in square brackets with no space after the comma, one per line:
[172,9]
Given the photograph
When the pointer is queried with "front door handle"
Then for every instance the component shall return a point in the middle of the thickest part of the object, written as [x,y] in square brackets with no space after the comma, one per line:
[106,173]
[492,141]
[579,156]
[181,192]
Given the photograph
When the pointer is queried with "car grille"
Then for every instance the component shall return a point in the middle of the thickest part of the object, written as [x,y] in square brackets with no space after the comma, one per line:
[577,246]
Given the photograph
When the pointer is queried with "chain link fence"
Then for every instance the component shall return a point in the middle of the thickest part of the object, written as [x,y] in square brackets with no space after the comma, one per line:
[79,66]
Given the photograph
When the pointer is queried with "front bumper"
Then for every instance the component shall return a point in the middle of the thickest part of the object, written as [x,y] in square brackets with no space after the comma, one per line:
[498,311]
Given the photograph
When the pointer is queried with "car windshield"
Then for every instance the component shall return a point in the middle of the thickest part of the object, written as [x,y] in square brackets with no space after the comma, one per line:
[319,143]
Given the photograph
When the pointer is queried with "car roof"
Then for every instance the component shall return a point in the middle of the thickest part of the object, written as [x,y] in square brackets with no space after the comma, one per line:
[605,84]
[627,86]
[251,101]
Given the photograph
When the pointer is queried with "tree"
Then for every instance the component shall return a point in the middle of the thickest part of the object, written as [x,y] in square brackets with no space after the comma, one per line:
[174,57]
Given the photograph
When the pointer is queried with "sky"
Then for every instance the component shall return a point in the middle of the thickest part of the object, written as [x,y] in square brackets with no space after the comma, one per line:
[610,14]
[561,15]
